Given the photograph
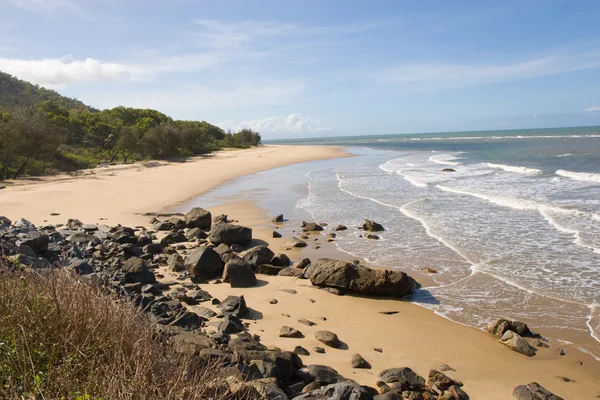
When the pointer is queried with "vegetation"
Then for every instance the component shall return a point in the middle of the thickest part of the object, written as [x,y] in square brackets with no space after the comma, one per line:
[63,339]
[42,132]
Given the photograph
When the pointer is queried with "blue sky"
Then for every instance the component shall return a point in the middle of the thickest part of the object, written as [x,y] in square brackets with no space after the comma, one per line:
[306,68]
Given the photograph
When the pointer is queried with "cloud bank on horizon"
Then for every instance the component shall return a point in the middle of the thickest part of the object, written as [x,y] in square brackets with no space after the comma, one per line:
[317,68]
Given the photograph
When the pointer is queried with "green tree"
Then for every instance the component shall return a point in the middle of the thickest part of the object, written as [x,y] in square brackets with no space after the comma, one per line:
[128,142]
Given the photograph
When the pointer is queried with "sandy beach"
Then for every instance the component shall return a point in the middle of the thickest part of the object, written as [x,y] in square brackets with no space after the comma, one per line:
[413,337]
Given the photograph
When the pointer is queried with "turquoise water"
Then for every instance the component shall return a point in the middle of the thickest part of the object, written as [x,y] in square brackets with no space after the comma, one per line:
[513,231]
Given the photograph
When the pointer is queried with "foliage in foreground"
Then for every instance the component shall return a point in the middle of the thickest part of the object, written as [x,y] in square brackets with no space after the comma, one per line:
[63,339]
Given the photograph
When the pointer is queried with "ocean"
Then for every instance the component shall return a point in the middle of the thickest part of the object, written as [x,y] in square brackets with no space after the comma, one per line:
[513,230]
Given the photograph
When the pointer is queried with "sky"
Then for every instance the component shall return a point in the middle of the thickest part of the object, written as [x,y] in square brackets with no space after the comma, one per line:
[312,68]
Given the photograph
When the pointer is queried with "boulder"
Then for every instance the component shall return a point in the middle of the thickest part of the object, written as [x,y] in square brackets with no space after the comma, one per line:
[278,219]
[329,338]
[516,343]
[37,241]
[437,379]
[198,218]
[230,234]
[303,263]
[372,226]
[267,269]
[294,272]
[533,391]
[234,306]
[312,227]
[204,263]
[195,233]
[238,274]
[175,263]
[289,332]
[321,373]
[345,390]
[5,221]
[359,279]
[264,389]
[295,242]
[81,267]
[500,326]
[281,260]
[357,361]
[220,219]
[340,228]
[406,378]
[136,271]
[258,256]
[301,351]
[230,324]
[276,235]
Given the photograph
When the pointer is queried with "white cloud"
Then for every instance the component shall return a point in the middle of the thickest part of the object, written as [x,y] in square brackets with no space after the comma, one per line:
[432,76]
[593,110]
[293,123]
[46,5]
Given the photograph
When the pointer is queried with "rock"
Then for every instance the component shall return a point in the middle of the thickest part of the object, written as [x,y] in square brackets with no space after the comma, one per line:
[539,343]
[33,262]
[340,228]
[406,378]
[220,219]
[231,324]
[500,326]
[372,226]
[190,343]
[204,263]
[153,248]
[276,235]
[265,388]
[306,322]
[440,380]
[35,240]
[175,263]
[359,279]
[516,343]
[295,242]
[281,260]
[561,352]
[136,271]
[198,218]
[172,238]
[290,291]
[5,221]
[230,234]
[289,332]
[378,349]
[357,361]
[239,274]
[258,256]
[319,350]
[312,227]
[296,273]
[82,238]
[388,312]
[301,351]
[455,393]
[278,219]
[273,301]
[321,373]
[81,267]
[533,391]
[205,312]
[234,306]
[448,170]
[303,263]
[345,390]
[389,395]
[445,367]
[195,233]
[329,338]
[267,269]
[372,236]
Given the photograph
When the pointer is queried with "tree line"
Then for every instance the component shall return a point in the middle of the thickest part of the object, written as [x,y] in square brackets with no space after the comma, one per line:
[47,138]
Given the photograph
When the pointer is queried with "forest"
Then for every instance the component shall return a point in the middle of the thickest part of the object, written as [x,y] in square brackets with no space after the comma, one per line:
[42,132]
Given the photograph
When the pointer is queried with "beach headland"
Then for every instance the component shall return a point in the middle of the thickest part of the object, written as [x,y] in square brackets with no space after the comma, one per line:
[386,332]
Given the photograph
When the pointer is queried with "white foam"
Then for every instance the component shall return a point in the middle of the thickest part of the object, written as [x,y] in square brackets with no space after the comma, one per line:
[425,139]
[444,159]
[579,176]
[519,170]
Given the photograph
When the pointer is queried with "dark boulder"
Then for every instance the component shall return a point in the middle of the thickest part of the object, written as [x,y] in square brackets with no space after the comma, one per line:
[500,326]
[278,219]
[289,332]
[312,227]
[359,279]
[293,272]
[405,377]
[204,263]
[516,343]
[267,269]
[238,274]
[37,241]
[281,260]
[340,228]
[357,361]
[173,237]
[136,271]
[220,219]
[198,218]
[372,226]
[234,306]
[533,391]
[345,390]
[303,263]
[81,267]
[439,380]
[258,256]
[295,242]
[230,235]
[231,324]
[328,338]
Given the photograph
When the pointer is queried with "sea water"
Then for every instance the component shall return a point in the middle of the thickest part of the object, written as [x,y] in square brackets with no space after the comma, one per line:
[512,228]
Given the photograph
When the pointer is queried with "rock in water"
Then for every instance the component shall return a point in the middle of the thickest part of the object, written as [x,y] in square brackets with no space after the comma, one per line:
[357,361]
[230,234]
[312,227]
[289,332]
[359,279]
[328,338]
[533,391]
[198,218]
[372,226]
[239,274]
[517,343]
[278,219]
[204,263]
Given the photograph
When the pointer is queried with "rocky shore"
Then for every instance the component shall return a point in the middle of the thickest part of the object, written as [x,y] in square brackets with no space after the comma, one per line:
[170,268]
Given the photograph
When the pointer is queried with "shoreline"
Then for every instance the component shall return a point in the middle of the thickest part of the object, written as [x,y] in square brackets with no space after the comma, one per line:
[415,338]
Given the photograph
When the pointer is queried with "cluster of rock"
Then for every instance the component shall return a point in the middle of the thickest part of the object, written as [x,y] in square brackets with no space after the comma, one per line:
[512,333]
[310,227]
[201,248]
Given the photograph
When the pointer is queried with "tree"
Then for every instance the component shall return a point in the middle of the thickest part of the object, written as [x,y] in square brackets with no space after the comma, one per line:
[128,142]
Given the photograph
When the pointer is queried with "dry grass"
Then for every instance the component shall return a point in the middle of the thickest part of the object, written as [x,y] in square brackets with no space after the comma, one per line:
[62,339]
